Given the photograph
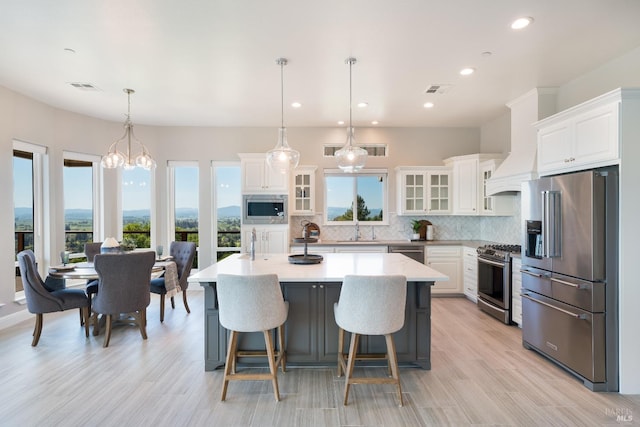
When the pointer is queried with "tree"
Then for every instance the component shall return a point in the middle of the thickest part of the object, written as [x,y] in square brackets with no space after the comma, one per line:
[363,212]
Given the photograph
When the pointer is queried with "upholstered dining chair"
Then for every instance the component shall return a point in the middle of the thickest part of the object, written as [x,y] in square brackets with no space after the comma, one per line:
[252,304]
[91,249]
[123,287]
[40,300]
[370,305]
[182,254]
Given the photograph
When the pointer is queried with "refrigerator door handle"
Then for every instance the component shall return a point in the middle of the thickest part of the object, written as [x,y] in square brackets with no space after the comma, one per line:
[552,223]
[575,315]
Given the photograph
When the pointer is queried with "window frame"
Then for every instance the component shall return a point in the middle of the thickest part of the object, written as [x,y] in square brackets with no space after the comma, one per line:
[171,197]
[97,189]
[363,172]
[215,249]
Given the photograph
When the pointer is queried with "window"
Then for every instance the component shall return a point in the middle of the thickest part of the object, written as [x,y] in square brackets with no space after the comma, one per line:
[366,191]
[81,213]
[184,202]
[28,203]
[136,207]
[227,200]
[373,150]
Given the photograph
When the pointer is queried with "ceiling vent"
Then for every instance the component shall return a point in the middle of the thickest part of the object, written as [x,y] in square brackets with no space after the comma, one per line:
[439,89]
[84,86]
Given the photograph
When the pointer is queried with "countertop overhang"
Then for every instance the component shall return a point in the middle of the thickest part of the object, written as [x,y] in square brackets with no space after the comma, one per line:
[332,269]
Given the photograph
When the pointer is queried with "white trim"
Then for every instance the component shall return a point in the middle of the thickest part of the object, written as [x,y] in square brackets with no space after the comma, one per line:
[183,163]
[14,318]
[29,147]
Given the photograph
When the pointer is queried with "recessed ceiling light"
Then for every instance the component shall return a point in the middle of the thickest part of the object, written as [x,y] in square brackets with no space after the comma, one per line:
[296,104]
[521,23]
[428,105]
[341,122]
[362,104]
[375,122]
[467,71]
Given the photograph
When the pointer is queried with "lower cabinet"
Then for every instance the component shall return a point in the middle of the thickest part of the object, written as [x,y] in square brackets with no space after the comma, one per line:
[516,288]
[446,260]
[470,273]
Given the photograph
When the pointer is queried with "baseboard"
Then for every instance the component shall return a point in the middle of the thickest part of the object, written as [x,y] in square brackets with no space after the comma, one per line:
[14,318]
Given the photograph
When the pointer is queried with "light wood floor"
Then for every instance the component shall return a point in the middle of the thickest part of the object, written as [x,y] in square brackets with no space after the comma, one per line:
[481,375]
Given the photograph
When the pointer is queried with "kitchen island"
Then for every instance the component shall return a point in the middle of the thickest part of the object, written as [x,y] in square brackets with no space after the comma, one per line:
[311,333]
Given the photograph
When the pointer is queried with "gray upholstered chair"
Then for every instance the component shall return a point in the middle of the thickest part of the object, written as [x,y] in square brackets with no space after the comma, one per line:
[123,287]
[252,304]
[370,305]
[183,254]
[41,300]
[91,249]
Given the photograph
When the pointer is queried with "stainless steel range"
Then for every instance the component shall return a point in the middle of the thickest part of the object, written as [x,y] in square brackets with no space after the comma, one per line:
[494,280]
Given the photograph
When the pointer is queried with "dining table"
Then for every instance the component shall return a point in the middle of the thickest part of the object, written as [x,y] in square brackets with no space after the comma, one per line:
[86,270]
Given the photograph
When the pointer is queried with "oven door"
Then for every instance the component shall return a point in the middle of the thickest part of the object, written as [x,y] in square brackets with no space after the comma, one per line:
[494,282]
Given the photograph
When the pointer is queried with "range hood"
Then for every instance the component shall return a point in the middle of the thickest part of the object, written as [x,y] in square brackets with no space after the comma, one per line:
[520,164]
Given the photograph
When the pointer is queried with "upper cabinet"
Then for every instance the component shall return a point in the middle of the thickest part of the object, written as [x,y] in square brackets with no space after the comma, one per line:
[257,176]
[423,190]
[303,185]
[585,136]
[470,174]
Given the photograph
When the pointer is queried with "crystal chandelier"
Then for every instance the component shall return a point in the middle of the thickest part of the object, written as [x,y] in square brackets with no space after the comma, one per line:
[351,158]
[127,159]
[282,158]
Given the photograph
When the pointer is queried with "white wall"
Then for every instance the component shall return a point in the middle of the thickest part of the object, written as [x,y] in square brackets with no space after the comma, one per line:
[495,135]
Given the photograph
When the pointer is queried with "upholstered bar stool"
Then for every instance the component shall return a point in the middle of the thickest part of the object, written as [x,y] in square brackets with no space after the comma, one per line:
[370,305]
[252,304]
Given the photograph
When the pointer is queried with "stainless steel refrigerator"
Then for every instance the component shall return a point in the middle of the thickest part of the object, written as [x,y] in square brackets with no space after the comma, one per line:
[570,273]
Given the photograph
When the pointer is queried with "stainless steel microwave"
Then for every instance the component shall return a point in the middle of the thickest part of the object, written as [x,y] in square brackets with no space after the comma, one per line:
[265,209]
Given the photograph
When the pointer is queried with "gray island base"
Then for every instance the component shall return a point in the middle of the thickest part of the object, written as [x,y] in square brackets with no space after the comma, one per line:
[311,333]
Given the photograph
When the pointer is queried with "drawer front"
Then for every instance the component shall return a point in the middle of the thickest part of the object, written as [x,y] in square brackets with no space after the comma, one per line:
[573,337]
[443,251]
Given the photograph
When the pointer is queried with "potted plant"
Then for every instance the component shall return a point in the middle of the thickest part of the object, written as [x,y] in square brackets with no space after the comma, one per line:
[416,225]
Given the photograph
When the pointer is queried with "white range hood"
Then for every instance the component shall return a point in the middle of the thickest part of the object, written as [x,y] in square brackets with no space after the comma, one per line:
[520,164]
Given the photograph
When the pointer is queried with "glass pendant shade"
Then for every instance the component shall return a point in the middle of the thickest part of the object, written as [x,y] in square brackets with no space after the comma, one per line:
[282,158]
[351,158]
[127,160]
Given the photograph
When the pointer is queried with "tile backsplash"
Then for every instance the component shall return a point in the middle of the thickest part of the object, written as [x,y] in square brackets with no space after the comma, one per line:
[501,229]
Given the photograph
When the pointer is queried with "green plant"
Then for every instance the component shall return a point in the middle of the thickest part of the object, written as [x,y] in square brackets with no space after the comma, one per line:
[128,243]
[416,225]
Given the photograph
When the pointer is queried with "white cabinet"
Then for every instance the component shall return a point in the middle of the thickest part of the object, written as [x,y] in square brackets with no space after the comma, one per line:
[468,183]
[446,260]
[423,191]
[582,137]
[504,205]
[303,185]
[257,176]
[516,287]
[270,239]
[470,273]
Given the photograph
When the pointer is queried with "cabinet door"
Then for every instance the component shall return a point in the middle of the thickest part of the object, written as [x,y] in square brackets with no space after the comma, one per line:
[554,147]
[275,182]
[301,327]
[329,293]
[596,135]
[253,175]
[413,193]
[303,189]
[465,174]
[446,260]
[439,194]
[486,201]
[275,241]
[361,249]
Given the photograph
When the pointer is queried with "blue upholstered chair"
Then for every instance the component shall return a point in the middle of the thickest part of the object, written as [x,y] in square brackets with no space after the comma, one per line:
[252,304]
[40,300]
[183,254]
[370,305]
[123,287]
[91,249]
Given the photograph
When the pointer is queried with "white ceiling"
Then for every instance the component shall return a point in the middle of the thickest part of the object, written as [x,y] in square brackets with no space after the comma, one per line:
[212,62]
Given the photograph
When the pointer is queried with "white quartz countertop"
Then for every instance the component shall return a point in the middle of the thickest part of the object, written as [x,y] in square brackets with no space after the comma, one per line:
[332,269]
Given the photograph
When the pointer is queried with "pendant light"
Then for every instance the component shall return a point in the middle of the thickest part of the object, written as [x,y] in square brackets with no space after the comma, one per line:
[351,158]
[282,158]
[116,158]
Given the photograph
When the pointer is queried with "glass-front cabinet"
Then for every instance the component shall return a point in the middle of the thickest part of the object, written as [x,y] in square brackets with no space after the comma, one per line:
[424,190]
[303,182]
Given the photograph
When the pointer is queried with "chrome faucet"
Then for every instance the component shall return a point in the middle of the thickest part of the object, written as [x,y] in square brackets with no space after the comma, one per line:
[356,231]
[373,233]
[252,248]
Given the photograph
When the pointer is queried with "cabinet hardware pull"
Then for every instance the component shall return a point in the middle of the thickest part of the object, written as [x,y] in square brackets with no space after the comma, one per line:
[531,274]
[573,285]
[577,316]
